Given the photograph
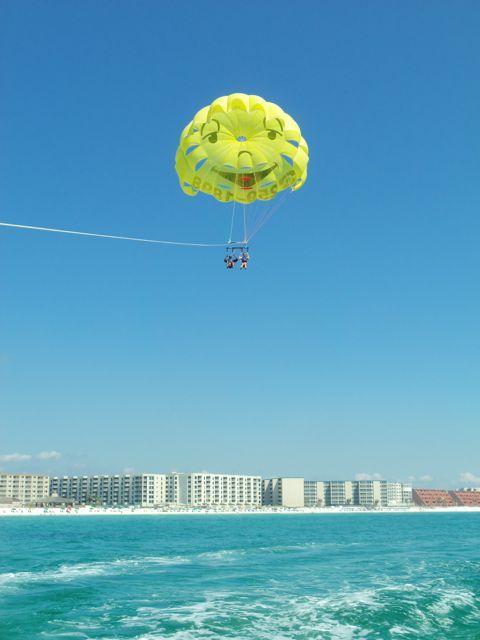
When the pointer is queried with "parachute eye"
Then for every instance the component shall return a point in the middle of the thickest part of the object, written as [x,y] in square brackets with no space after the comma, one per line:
[213,137]
[274,127]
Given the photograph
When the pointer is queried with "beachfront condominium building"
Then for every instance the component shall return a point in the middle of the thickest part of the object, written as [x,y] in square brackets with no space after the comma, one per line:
[398,493]
[284,492]
[24,488]
[467,497]
[199,489]
[339,493]
[336,493]
[314,493]
[142,490]
[366,493]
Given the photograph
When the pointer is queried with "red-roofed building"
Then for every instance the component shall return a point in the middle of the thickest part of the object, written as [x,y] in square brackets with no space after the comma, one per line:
[433,498]
[466,498]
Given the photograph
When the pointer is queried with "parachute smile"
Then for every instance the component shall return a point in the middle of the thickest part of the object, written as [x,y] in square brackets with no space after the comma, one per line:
[245,180]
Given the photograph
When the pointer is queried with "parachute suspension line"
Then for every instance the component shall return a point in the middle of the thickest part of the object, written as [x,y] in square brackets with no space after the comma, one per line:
[250,218]
[262,220]
[244,223]
[264,210]
[261,216]
[255,212]
[271,204]
[111,237]
[233,218]
[274,209]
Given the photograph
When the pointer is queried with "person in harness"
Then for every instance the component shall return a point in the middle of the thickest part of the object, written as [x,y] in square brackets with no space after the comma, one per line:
[231,257]
[244,258]
[230,260]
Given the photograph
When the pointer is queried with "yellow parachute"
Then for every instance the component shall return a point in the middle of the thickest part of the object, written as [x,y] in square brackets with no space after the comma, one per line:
[241,149]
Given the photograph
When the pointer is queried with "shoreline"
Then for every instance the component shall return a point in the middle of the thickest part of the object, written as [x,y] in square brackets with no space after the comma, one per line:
[145,511]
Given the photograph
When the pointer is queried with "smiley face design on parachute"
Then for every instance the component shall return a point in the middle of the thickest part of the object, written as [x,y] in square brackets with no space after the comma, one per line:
[241,148]
[245,178]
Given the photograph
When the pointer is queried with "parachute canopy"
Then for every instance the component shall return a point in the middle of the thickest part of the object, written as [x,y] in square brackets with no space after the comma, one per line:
[241,148]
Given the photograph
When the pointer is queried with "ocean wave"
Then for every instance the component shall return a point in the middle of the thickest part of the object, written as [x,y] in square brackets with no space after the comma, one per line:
[223,555]
[298,590]
[71,572]
[407,611]
[451,599]
[401,611]
[308,547]
[224,614]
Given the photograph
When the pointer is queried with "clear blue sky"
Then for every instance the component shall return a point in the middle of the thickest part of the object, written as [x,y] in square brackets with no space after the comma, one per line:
[350,346]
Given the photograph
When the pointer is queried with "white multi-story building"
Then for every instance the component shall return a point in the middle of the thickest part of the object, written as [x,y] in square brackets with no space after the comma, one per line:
[396,493]
[336,493]
[339,493]
[203,489]
[24,487]
[407,497]
[314,493]
[143,490]
[367,493]
[284,492]
[197,489]
[177,488]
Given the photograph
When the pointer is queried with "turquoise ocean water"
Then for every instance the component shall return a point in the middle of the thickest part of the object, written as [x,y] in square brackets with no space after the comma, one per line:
[247,577]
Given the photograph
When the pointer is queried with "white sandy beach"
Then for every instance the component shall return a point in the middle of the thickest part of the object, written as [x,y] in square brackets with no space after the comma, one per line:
[139,511]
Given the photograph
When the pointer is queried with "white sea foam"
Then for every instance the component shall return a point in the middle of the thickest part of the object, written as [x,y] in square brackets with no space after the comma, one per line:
[450,599]
[337,616]
[220,614]
[223,555]
[265,614]
[429,605]
[64,634]
[71,572]
[404,631]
